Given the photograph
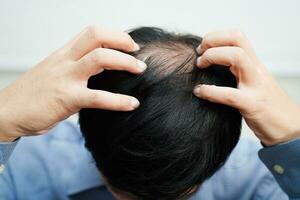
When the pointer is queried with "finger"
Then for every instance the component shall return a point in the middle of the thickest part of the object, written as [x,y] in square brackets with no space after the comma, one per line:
[107,101]
[94,37]
[234,57]
[101,58]
[226,38]
[222,95]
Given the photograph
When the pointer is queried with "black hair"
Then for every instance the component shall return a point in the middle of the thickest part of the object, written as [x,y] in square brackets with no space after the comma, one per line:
[174,141]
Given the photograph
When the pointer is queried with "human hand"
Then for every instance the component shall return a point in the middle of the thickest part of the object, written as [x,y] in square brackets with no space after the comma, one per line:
[267,109]
[57,87]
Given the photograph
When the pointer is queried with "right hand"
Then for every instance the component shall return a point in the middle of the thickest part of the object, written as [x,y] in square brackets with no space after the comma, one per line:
[267,109]
[57,87]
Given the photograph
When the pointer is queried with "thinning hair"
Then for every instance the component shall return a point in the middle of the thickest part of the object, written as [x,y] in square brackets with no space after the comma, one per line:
[174,141]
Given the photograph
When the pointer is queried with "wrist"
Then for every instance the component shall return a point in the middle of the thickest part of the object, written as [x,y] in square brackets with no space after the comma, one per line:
[288,131]
[7,134]
[4,138]
[279,140]
[7,131]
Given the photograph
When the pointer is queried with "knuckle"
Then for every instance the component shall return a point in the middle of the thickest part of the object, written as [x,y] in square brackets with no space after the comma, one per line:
[97,55]
[231,98]
[93,100]
[237,35]
[208,53]
[65,98]
[208,56]
[126,43]
[206,40]
[92,31]
[238,52]
[60,53]
[238,56]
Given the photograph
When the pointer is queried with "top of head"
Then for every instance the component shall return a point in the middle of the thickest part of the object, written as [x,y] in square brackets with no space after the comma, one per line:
[174,140]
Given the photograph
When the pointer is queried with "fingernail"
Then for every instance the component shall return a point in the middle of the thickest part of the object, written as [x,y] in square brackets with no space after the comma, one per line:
[142,65]
[136,47]
[134,103]
[198,49]
[198,62]
[197,90]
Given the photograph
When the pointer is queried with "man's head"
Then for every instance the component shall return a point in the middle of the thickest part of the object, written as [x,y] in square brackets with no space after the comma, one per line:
[174,141]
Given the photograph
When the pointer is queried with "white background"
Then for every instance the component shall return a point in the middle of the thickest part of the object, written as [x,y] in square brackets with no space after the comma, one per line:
[31,29]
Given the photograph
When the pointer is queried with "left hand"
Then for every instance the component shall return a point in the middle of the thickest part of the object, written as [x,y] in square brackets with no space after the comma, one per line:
[268,110]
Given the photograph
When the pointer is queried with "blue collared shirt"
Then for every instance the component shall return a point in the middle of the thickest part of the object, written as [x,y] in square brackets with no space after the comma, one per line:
[56,165]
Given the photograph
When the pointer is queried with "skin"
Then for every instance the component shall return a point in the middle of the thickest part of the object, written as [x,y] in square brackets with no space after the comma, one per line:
[268,110]
[57,87]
